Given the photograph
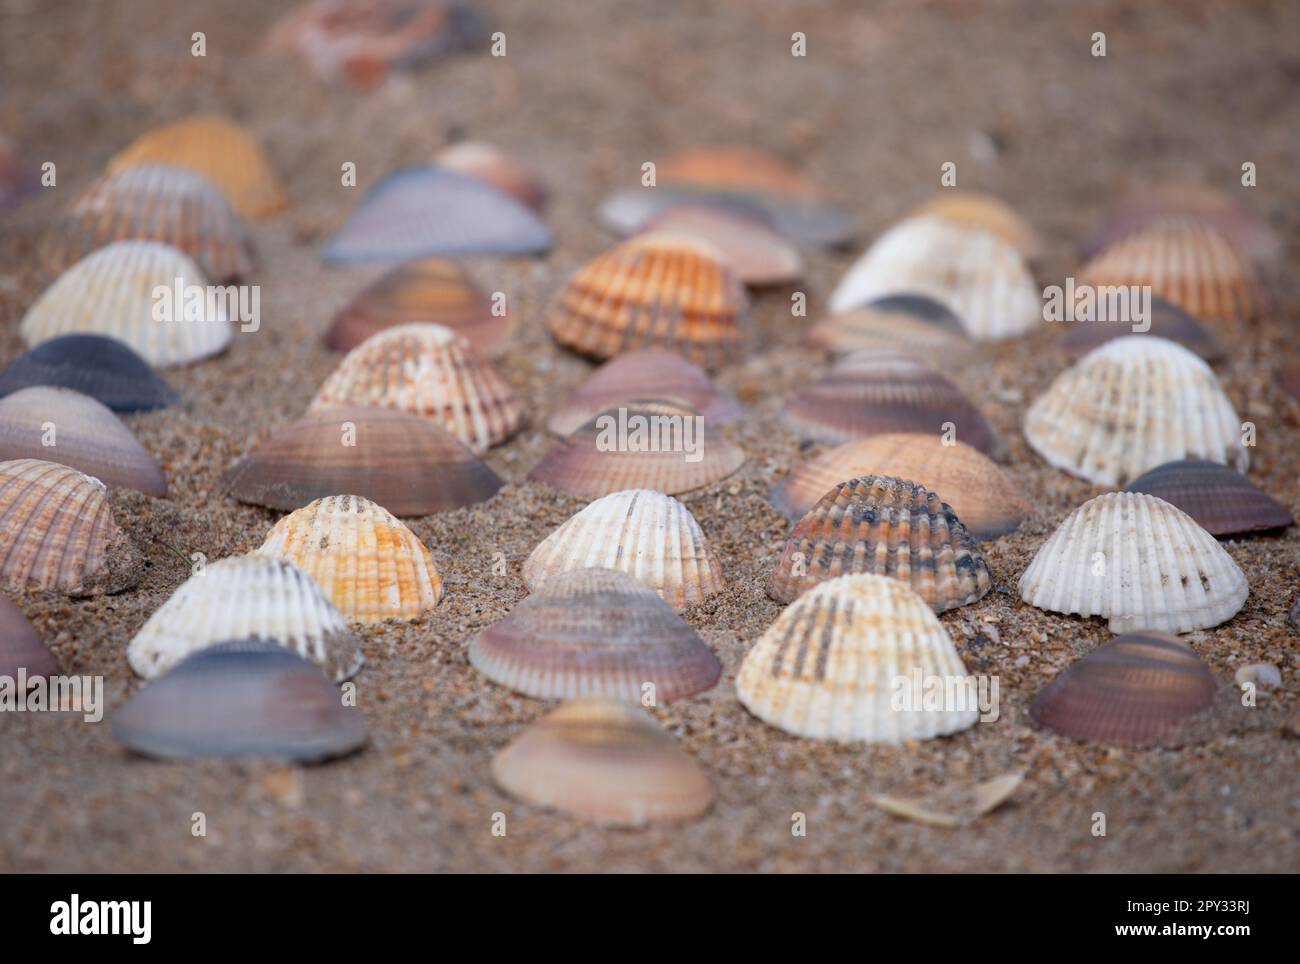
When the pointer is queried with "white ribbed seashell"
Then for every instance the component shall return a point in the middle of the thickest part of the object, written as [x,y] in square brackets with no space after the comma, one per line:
[975,274]
[241,597]
[112,292]
[648,535]
[1138,561]
[1132,404]
[852,659]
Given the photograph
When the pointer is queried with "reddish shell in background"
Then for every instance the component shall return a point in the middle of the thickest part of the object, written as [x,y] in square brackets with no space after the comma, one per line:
[1221,500]
[20,644]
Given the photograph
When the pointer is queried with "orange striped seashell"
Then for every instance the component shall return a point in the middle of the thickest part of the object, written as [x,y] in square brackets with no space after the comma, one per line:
[753,248]
[490,165]
[427,370]
[894,324]
[988,213]
[21,648]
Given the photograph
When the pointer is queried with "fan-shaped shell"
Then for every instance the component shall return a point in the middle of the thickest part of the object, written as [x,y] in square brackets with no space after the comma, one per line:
[595,632]
[57,531]
[247,596]
[843,661]
[490,165]
[103,368]
[974,209]
[648,535]
[883,327]
[21,648]
[1130,405]
[1138,561]
[1167,321]
[112,292]
[370,565]
[755,251]
[1222,502]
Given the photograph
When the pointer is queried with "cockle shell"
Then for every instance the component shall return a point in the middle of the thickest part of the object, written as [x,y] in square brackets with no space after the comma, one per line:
[403,462]
[370,565]
[975,209]
[60,425]
[247,596]
[648,535]
[605,761]
[1138,561]
[111,292]
[872,328]
[103,368]
[1167,321]
[427,370]
[890,527]
[59,532]
[1222,502]
[755,251]
[490,165]
[1130,405]
[20,645]
[653,291]
[595,632]
[843,663]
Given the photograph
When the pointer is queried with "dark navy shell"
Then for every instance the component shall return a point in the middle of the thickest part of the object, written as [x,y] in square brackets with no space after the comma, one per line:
[103,368]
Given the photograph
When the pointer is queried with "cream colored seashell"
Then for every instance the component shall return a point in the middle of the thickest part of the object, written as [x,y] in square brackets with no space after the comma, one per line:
[371,565]
[1138,561]
[978,276]
[835,662]
[111,292]
[1132,404]
[241,597]
[648,535]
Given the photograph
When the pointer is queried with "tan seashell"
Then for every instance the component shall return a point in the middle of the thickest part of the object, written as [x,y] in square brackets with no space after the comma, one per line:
[1139,562]
[1130,405]
[884,327]
[487,163]
[370,565]
[953,806]
[648,535]
[427,370]
[974,209]
[755,250]
[604,761]
[832,664]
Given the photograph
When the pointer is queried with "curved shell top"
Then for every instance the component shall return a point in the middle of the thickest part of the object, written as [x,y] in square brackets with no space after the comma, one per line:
[1138,561]
[490,165]
[975,209]
[103,368]
[981,494]
[61,425]
[154,202]
[1132,690]
[595,632]
[756,252]
[745,170]
[20,644]
[1130,405]
[247,596]
[604,761]
[427,370]
[1222,502]
[981,278]
[370,565]
[403,462]
[431,290]
[648,535]
[658,444]
[57,531]
[834,662]
[889,527]
[112,292]
[653,291]
[877,328]
[1166,321]
[221,151]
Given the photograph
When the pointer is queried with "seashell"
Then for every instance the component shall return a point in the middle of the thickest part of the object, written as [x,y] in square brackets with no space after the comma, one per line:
[1138,561]
[59,533]
[881,326]
[491,166]
[648,535]
[247,596]
[103,368]
[653,291]
[644,373]
[1130,405]
[756,252]
[111,292]
[1222,502]
[977,275]
[1132,690]
[984,498]
[832,663]
[427,370]
[1266,676]
[154,202]
[431,290]
[403,462]
[221,151]
[242,698]
[595,632]
[889,527]
[21,649]
[1167,321]
[83,434]
[370,565]
[984,212]
[953,806]
[874,392]
[424,211]
[658,444]
[1185,262]
[604,761]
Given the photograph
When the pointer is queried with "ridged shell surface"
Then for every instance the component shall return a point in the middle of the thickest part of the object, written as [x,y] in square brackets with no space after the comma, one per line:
[1222,502]
[20,644]
[103,368]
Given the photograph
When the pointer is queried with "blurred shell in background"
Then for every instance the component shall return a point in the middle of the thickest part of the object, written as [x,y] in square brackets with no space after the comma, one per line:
[756,252]
[20,645]
[1222,502]
[986,212]
[490,165]
[1167,321]
[911,325]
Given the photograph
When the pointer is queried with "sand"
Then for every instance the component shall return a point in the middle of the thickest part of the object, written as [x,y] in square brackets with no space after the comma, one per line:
[585,95]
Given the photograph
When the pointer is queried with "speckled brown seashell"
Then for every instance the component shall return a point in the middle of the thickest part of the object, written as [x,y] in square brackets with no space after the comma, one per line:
[489,164]
[986,212]
[1132,690]
[1221,500]
[754,249]
[20,645]
[1167,321]
[890,326]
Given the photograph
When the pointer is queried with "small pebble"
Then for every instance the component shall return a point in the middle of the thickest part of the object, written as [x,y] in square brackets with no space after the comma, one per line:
[1265,676]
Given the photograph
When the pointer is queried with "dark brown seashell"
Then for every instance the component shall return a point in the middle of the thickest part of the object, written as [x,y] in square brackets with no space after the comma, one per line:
[20,645]
[1167,321]
[103,368]
[1221,500]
